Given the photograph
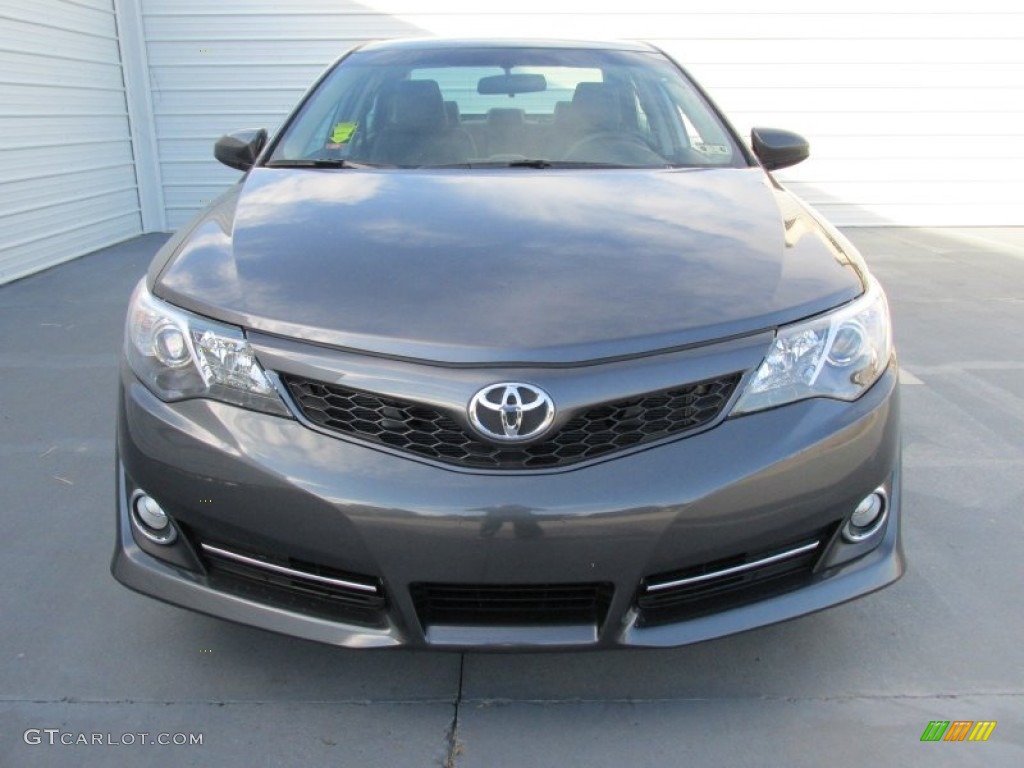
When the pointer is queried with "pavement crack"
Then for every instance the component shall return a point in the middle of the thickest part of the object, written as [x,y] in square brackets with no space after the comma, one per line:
[764,699]
[454,745]
[185,702]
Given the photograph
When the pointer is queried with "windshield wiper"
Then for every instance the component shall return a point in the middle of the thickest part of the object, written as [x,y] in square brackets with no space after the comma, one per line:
[322,163]
[530,163]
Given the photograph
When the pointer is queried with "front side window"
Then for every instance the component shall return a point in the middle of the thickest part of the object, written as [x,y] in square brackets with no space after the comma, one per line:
[416,108]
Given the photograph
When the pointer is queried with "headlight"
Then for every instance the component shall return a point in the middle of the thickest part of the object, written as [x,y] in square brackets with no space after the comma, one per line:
[836,355]
[179,355]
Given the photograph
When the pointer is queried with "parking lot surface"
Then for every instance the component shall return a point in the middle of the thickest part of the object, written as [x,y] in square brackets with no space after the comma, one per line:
[852,686]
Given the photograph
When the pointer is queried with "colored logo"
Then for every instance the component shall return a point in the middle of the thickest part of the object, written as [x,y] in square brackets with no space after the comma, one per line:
[958,730]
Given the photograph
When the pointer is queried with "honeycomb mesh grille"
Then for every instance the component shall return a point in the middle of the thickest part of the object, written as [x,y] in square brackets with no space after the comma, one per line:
[592,432]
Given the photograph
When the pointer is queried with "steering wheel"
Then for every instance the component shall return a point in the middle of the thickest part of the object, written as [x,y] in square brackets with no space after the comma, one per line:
[635,147]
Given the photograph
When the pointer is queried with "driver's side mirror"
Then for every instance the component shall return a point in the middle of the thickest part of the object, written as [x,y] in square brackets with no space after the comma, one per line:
[240,149]
[776,148]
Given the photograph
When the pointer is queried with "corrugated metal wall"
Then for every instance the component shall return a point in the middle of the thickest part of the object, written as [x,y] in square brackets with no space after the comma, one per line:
[238,64]
[915,116]
[915,111]
[67,178]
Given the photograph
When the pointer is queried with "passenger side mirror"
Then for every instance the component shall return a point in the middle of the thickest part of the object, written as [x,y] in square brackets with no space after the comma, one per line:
[240,149]
[776,148]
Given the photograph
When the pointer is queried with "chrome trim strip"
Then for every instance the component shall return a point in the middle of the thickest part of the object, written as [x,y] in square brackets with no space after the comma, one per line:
[229,555]
[735,569]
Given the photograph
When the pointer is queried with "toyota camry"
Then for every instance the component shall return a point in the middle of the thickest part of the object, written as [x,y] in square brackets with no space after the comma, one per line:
[508,345]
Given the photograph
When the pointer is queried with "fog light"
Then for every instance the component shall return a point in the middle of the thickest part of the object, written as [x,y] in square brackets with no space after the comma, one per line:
[868,517]
[150,519]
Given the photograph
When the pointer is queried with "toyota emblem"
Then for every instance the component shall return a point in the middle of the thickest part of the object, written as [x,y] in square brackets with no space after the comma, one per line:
[511,412]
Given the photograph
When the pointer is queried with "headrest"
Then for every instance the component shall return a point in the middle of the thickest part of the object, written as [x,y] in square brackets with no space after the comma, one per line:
[563,111]
[418,104]
[597,104]
[451,111]
[504,116]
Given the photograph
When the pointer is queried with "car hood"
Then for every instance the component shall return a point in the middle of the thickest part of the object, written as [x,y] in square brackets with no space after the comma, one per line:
[511,265]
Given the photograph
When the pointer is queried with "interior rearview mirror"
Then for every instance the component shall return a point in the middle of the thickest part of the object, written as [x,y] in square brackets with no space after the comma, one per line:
[511,84]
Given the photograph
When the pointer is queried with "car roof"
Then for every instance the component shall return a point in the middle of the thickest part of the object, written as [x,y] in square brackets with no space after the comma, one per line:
[439,43]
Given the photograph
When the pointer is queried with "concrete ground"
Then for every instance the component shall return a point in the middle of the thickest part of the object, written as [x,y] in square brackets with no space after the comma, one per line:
[852,686]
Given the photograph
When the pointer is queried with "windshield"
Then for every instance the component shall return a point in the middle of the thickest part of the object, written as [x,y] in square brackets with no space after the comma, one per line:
[496,106]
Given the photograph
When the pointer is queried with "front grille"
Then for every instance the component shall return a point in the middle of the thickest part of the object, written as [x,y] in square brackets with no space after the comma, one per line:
[728,583]
[511,604]
[295,585]
[426,431]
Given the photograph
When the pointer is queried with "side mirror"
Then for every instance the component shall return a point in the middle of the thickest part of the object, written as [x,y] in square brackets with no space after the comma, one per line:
[240,149]
[779,149]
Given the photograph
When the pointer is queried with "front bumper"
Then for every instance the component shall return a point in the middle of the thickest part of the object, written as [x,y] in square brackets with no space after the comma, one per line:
[262,484]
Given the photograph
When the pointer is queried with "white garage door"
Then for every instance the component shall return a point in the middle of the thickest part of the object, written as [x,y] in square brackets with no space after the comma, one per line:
[67,180]
[915,116]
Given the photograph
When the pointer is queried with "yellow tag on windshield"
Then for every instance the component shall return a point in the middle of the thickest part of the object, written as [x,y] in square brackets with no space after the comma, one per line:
[343,132]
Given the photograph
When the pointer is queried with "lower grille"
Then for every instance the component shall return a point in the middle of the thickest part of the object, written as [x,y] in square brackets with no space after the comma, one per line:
[511,605]
[728,583]
[295,585]
[591,432]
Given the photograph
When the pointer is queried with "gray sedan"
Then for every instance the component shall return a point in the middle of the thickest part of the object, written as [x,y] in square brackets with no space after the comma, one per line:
[508,344]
